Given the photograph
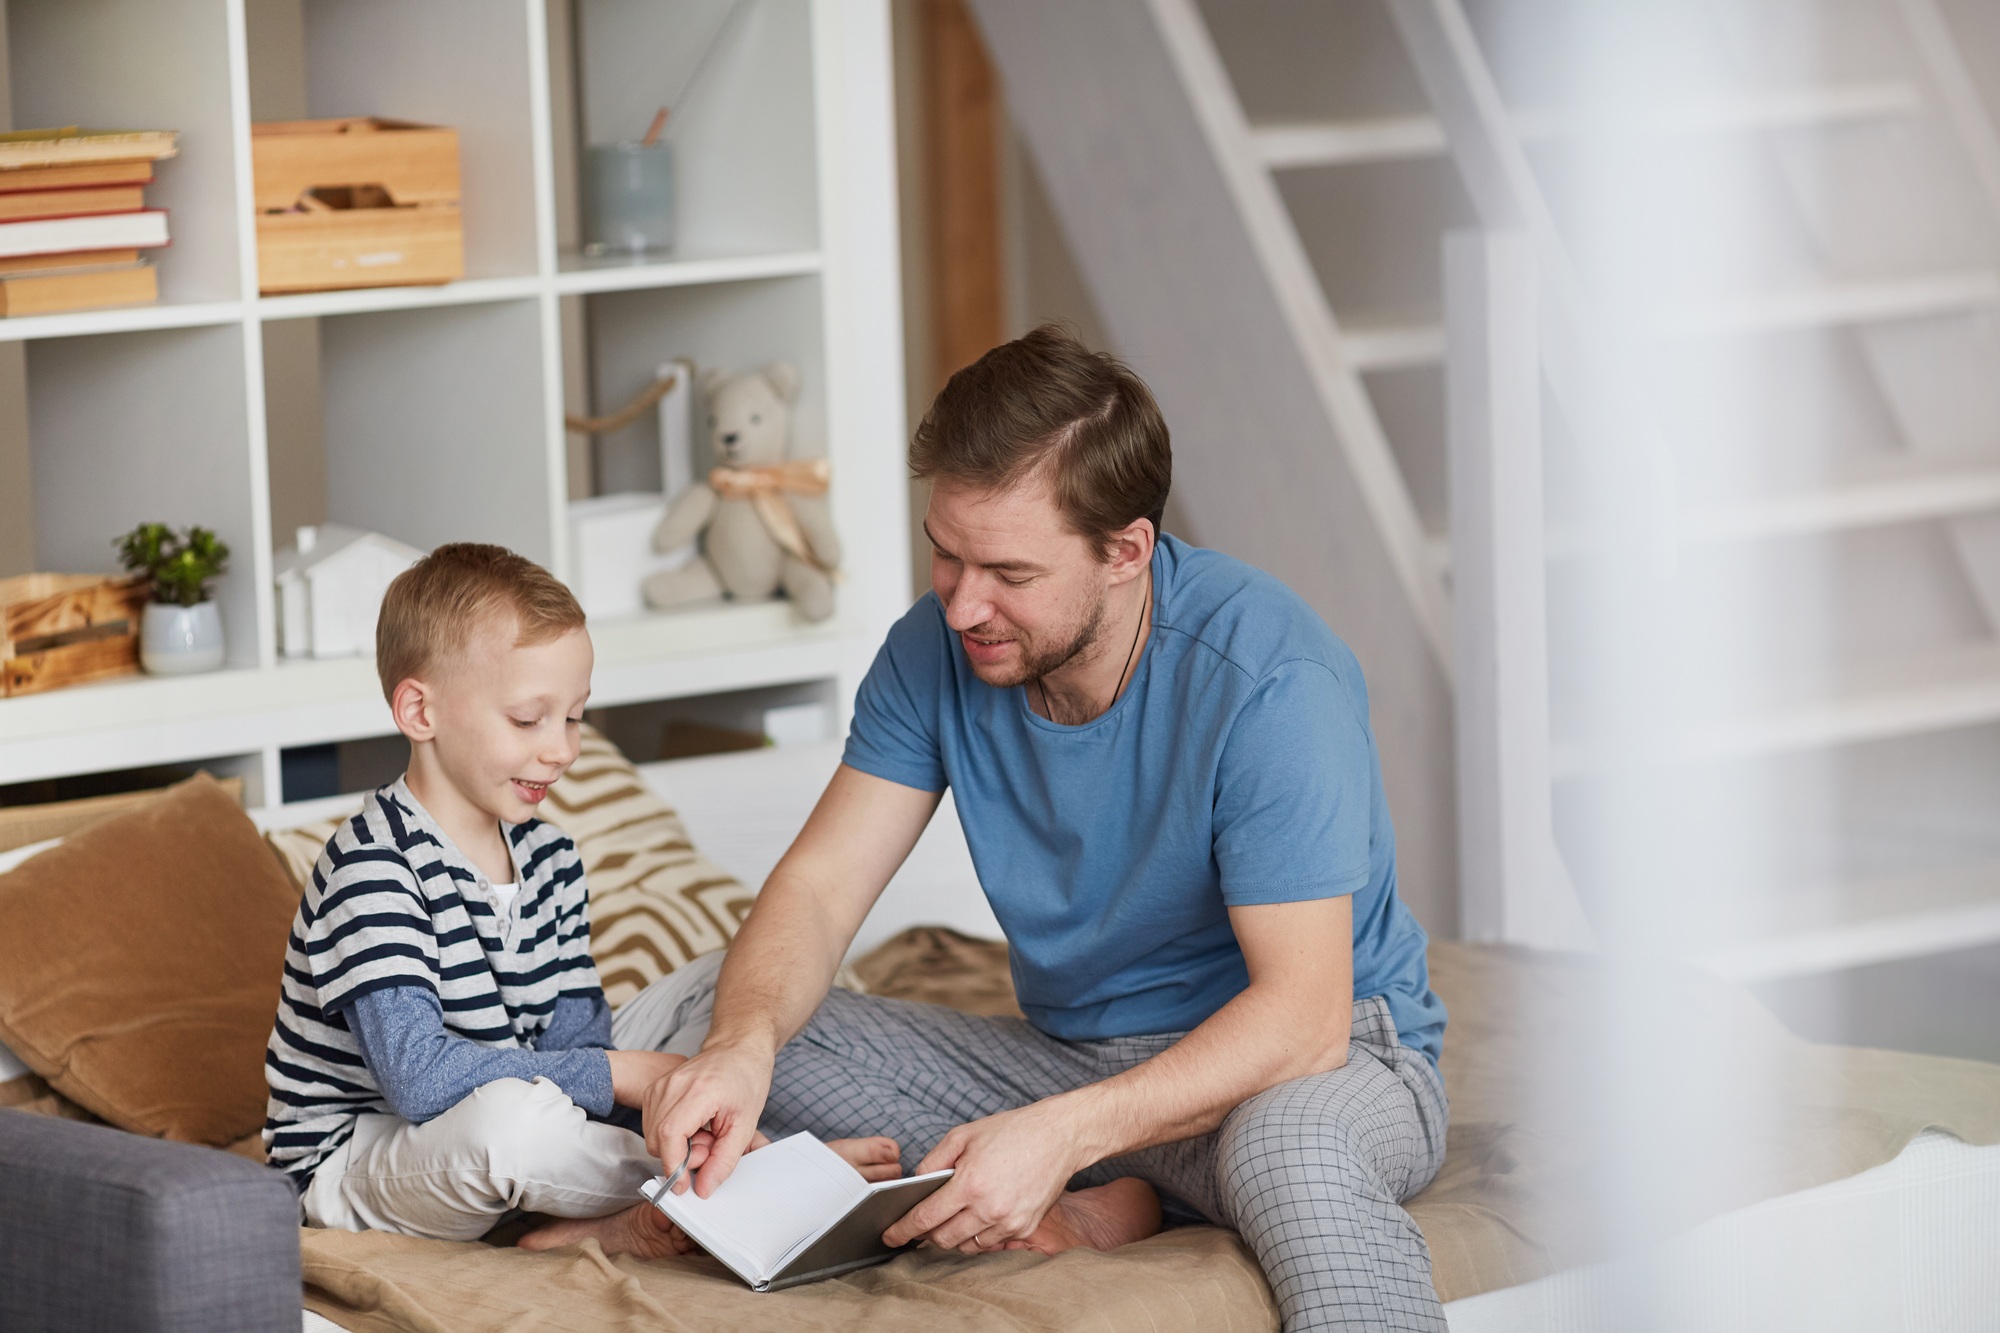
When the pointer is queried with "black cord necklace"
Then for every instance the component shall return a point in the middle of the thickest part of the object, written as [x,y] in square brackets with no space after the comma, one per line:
[1130,653]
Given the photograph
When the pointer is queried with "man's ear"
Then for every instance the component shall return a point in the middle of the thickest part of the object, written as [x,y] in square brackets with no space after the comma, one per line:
[1132,549]
[410,705]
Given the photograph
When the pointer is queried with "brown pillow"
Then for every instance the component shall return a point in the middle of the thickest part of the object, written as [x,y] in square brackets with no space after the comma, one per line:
[140,961]
[21,825]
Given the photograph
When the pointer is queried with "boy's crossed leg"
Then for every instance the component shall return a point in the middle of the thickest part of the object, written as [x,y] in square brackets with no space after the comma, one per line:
[513,1145]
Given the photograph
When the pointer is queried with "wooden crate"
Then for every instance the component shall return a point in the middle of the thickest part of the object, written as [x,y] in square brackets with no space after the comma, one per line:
[65,629]
[356,202]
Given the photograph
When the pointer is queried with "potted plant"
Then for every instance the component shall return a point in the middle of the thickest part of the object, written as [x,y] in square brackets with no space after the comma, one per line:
[181,632]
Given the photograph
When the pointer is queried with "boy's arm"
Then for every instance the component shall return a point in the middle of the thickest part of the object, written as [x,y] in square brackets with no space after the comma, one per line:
[580,1021]
[424,1071]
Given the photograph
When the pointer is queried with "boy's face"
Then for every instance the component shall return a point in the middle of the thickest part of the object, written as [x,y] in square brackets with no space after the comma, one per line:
[504,718]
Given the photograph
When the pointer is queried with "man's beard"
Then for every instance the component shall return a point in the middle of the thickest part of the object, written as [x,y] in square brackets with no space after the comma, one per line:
[1039,662]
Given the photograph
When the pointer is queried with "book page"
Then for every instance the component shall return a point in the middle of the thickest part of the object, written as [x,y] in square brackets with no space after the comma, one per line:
[777,1198]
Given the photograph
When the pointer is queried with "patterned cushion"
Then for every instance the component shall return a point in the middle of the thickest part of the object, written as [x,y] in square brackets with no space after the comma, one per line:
[299,847]
[655,902]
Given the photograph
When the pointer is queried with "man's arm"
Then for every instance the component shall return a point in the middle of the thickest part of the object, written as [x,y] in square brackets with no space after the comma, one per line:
[779,968]
[1293,1019]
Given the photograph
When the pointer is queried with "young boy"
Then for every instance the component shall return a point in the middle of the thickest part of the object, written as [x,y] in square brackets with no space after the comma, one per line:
[442,1053]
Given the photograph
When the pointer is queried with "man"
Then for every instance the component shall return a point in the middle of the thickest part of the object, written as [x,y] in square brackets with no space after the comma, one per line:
[1162,761]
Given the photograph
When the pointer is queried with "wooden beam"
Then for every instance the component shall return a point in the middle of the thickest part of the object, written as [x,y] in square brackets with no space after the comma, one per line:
[962,122]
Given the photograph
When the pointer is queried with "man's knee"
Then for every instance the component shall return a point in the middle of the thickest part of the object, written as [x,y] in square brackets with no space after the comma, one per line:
[511,1124]
[1301,1136]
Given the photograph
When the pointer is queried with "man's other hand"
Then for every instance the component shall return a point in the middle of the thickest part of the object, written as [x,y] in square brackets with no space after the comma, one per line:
[1009,1169]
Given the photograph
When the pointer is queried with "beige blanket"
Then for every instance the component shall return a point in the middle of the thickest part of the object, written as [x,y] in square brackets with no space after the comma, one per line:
[1511,1204]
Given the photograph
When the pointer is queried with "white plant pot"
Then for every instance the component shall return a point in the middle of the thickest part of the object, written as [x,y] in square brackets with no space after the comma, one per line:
[180,640]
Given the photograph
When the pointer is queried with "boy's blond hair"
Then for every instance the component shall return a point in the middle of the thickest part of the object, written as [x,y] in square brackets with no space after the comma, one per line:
[432,609]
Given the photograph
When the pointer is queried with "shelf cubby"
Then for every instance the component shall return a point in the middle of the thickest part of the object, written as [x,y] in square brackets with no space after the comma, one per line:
[743,133]
[111,449]
[144,64]
[467,64]
[436,426]
[728,326]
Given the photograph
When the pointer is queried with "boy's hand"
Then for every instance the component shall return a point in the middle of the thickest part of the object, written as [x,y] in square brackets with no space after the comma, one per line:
[632,1072]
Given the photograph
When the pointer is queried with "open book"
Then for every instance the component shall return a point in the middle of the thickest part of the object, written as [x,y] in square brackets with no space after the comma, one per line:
[793,1212]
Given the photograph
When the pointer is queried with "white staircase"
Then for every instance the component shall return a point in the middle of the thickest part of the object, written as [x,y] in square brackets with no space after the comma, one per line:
[1837,502]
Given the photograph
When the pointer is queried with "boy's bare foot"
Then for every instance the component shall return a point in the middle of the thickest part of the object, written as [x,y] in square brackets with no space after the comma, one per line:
[1102,1218]
[875,1159]
[641,1230]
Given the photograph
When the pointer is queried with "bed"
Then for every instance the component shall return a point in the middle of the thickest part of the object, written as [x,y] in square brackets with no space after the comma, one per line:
[1883,1214]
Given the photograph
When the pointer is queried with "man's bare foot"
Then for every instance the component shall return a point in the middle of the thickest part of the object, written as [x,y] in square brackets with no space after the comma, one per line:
[875,1159]
[1102,1218]
[641,1230]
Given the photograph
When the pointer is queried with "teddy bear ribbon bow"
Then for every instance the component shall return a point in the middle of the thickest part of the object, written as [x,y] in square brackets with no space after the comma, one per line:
[765,486]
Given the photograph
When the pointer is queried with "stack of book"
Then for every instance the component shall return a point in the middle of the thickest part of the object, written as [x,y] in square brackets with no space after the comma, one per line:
[74,225]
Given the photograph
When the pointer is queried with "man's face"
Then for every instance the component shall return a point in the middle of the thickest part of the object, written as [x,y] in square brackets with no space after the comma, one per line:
[1024,594]
[508,717]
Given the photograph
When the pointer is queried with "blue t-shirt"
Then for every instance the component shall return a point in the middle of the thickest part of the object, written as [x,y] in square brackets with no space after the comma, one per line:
[1237,768]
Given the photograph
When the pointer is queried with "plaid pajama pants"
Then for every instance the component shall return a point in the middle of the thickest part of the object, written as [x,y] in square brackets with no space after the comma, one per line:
[1310,1173]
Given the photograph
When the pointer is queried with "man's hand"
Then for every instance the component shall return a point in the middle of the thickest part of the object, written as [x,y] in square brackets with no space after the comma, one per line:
[706,1110]
[1010,1170]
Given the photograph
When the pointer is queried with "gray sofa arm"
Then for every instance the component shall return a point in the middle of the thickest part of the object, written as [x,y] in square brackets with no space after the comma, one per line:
[100,1229]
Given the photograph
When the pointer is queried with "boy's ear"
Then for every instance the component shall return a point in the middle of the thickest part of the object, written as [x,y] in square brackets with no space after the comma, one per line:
[410,705]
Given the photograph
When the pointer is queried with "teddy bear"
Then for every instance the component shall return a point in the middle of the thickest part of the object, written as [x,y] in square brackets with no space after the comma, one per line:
[763,521]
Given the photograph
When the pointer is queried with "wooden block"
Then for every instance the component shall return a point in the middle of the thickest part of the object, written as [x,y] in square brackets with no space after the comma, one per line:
[38,607]
[416,164]
[72,664]
[362,247]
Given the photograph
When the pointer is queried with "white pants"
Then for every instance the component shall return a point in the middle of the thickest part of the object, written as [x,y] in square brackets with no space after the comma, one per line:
[509,1144]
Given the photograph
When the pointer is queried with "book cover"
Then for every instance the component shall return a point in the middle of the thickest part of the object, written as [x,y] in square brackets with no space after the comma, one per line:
[136,171]
[105,231]
[82,289]
[66,261]
[68,144]
[18,205]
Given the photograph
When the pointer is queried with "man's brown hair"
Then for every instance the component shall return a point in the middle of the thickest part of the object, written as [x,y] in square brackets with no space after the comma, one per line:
[1046,404]
[433,608]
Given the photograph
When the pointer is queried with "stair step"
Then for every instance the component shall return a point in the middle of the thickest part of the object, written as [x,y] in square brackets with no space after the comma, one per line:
[1836,304]
[1905,496]
[1907,493]
[1381,344]
[1829,928]
[1289,145]
[1384,344]
[1938,691]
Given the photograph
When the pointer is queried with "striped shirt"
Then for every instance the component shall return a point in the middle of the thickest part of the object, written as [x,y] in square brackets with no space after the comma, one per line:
[394,903]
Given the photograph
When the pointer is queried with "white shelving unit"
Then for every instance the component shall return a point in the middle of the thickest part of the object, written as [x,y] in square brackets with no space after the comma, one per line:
[436,413]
